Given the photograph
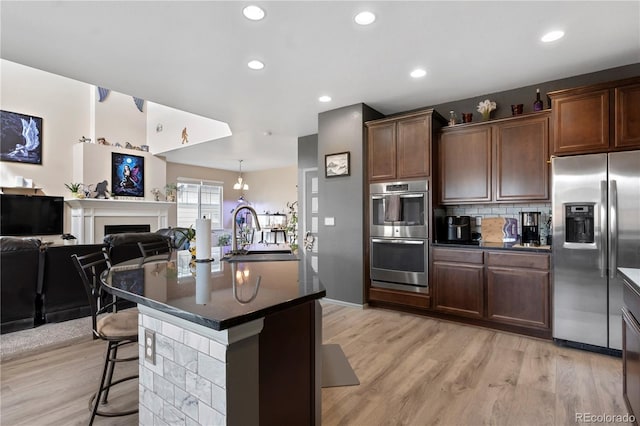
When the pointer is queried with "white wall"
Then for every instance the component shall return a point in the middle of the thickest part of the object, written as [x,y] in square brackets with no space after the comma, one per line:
[118,120]
[67,110]
[63,104]
[199,129]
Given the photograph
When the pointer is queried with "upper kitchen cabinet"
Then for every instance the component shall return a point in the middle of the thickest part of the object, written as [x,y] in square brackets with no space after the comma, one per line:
[497,161]
[400,147]
[627,115]
[582,118]
[465,165]
[521,154]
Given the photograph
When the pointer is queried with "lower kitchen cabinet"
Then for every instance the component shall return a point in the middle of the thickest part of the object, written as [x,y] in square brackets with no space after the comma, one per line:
[631,362]
[458,282]
[518,289]
[501,289]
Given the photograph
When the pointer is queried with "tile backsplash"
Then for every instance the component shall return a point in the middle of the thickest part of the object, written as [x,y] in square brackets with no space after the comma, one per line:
[503,210]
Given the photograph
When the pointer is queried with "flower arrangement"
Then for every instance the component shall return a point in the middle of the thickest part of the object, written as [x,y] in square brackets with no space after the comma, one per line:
[485,107]
[156,193]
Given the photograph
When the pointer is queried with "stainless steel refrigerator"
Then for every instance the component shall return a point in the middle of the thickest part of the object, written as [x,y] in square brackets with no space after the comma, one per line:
[596,229]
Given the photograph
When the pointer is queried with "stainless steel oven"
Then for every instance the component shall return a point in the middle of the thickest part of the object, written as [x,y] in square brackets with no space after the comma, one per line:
[399,209]
[400,263]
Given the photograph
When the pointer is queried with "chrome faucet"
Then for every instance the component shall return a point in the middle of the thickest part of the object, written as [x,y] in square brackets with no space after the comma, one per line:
[234,235]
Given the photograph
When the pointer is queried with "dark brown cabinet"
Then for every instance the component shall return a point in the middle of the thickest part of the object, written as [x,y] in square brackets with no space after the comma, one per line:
[581,118]
[631,347]
[465,165]
[499,161]
[518,288]
[502,289]
[400,147]
[521,154]
[458,282]
[627,115]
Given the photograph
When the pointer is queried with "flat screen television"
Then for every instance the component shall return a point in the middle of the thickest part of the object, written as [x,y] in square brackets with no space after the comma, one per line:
[24,215]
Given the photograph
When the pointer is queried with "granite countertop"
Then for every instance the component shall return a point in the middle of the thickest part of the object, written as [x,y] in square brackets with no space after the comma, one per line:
[494,246]
[206,294]
[632,276]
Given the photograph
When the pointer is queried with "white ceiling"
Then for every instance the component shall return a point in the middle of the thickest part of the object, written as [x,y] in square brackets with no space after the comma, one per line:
[192,56]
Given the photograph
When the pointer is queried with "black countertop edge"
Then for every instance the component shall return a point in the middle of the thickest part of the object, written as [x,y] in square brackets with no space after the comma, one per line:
[493,246]
[210,323]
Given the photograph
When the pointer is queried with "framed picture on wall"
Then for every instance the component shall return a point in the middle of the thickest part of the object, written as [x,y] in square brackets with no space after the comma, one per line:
[20,138]
[127,175]
[337,164]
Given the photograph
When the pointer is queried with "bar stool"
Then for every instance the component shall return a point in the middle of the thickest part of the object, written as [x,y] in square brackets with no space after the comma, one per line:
[156,249]
[116,328]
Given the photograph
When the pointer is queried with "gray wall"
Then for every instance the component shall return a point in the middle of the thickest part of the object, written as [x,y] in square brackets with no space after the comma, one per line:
[340,247]
[527,94]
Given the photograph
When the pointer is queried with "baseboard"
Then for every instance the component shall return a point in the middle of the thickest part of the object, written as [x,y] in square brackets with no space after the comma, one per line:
[343,303]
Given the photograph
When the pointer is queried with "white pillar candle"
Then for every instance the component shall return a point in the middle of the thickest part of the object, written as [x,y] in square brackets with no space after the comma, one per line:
[203,239]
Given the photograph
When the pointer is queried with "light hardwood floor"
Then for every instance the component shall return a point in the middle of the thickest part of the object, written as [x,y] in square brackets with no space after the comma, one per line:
[413,371]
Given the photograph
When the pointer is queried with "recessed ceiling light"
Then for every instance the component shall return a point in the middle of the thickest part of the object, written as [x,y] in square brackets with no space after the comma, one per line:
[255,65]
[365,18]
[324,98]
[418,72]
[253,12]
[552,36]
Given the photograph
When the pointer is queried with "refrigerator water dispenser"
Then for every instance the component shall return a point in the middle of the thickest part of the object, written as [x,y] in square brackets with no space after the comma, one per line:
[579,223]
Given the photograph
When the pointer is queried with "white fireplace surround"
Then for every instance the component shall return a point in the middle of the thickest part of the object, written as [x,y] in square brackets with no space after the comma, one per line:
[90,215]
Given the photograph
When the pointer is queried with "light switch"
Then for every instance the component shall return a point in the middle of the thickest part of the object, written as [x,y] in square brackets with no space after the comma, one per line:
[329,221]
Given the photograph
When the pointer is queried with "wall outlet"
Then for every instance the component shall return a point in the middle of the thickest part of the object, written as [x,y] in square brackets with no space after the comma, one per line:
[329,221]
[150,346]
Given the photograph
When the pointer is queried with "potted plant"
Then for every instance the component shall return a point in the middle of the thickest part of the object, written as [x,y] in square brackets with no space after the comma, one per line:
[292,226]
[76,189]
[188,234]
[171,189]
[224,241]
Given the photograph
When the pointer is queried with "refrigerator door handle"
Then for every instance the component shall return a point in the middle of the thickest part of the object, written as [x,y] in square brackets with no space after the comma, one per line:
[613,228]
[603,227]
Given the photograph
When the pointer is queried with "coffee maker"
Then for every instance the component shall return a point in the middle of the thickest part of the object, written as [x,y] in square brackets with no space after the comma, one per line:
[530,228]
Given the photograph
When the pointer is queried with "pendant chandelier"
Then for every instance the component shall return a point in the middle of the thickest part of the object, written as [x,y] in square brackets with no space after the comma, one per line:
[240,184]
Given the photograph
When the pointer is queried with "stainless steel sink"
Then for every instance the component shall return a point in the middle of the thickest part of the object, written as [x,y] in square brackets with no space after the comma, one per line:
[260,257]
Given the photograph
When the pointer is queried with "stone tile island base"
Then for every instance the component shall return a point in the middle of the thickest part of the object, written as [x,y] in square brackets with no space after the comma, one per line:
[202,376]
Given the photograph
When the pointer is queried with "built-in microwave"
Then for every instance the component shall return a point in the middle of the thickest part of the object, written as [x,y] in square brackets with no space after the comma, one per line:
[399,209]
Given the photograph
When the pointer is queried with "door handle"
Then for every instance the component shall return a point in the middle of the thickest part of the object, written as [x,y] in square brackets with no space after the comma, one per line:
[603,229]
[613,228]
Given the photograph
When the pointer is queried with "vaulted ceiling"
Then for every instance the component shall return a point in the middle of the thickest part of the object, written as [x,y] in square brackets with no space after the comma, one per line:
[193,55]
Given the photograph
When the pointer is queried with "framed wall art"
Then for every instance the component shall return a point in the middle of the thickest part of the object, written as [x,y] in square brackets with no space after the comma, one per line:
[337,164]
[20,138]
[127,175]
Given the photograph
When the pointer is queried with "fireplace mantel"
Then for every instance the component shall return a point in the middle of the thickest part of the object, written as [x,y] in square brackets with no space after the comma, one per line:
[89,215]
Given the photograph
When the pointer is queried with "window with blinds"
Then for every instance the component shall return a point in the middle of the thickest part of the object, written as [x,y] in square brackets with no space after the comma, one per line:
[197,200]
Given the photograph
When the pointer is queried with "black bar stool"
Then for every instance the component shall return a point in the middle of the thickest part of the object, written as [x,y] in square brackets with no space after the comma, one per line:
[116,328]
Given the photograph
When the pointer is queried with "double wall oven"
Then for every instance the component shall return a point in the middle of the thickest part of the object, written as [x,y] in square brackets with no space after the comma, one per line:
[399,243]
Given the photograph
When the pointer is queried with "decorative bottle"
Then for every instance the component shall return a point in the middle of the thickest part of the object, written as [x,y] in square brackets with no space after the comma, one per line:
[537,105]
[452,118]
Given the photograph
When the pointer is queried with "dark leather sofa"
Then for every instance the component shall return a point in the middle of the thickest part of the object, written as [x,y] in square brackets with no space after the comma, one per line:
[20,275]
[40,284]
[124,246]
[63,294]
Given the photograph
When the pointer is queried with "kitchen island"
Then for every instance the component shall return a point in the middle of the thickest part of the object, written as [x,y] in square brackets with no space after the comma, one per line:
[225,342]
[631,339]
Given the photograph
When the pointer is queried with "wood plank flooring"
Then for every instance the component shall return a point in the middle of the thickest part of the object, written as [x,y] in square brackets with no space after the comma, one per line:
[413,371]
